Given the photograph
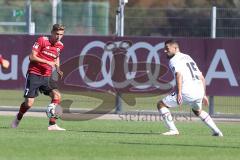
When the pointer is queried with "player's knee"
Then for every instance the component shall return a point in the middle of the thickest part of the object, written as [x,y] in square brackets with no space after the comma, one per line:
[59,96]
[29,102]
[56,94]
[196,112]
[160,105]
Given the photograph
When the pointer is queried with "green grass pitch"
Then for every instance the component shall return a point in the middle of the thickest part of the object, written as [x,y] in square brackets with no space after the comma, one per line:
[115,140]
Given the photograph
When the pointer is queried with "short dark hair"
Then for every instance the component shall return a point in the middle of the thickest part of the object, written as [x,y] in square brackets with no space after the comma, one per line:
[57,27]
[171,41]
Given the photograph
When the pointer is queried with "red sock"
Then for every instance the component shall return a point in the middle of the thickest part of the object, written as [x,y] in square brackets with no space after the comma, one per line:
[23,109]
[53,120]
[56,101]
[1,59]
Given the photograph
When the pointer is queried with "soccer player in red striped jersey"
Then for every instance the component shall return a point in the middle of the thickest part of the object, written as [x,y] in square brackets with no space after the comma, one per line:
[43,59]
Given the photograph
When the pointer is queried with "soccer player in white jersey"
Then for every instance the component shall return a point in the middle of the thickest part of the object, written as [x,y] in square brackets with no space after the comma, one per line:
[190,89]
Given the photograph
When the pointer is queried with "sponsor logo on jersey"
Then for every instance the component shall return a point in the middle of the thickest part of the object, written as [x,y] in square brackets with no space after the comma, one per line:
[49,54]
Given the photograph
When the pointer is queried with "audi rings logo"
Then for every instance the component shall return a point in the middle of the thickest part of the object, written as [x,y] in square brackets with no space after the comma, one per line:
[129,50]
[112,68]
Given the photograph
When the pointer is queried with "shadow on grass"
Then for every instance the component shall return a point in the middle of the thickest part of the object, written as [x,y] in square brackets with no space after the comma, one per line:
[155,144]
[5,127]
[117,132]
[21,130]
[180,145]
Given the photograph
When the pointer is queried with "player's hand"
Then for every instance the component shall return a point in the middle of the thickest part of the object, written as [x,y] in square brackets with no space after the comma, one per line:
[179,99]
[5,63]
[60,73]
[205,101]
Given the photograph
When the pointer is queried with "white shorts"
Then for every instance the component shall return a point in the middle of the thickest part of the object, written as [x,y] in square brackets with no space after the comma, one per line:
[171,101]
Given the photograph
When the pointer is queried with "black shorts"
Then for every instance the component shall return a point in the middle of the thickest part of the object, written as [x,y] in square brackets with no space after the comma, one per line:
[36,83]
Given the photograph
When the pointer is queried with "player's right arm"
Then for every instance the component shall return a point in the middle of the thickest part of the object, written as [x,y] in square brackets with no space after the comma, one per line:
[179,78]
[34,58]
[37,47]
[176,70]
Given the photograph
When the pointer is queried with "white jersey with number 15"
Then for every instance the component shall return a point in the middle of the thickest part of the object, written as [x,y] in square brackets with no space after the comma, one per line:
[192,86]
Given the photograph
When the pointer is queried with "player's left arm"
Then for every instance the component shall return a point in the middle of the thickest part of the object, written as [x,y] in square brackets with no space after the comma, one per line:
[60,73]
[205,99]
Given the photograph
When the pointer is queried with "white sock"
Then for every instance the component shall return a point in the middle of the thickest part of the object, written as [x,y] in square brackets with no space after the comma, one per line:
[167,118]
[205,117]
